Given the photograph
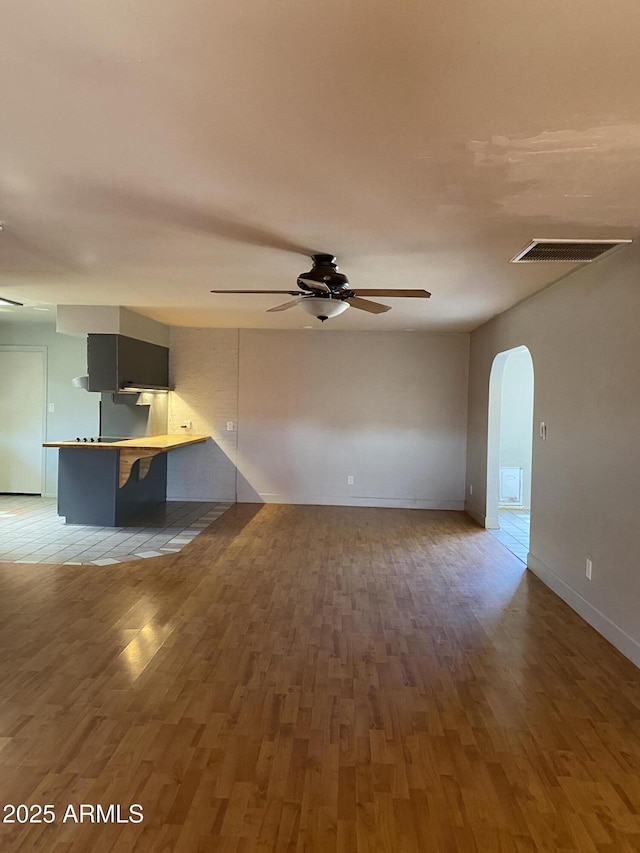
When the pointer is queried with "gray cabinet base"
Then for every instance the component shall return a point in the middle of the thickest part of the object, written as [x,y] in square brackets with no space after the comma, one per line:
[88,490]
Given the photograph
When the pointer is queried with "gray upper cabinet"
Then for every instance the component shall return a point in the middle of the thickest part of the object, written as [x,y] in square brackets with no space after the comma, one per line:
[116,361]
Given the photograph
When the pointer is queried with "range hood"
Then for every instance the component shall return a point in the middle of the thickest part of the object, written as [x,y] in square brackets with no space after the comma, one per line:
[81,381]
[119,364]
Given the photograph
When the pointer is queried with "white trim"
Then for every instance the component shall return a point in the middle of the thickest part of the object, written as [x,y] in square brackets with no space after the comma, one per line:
[322,500]
[487,521]
[475,515]
[625,644]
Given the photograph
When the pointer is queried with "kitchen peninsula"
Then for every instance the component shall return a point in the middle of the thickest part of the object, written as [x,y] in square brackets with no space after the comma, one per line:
[107,483]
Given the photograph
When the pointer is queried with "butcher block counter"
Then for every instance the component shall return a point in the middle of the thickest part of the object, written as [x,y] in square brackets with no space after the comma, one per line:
[107,482]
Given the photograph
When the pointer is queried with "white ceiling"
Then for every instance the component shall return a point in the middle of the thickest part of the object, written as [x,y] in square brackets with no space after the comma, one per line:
[152,150]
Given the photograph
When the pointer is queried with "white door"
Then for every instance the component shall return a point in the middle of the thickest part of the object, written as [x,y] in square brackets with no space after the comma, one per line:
[22,390]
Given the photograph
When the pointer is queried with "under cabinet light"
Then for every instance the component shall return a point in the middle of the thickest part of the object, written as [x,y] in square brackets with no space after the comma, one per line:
[139,389]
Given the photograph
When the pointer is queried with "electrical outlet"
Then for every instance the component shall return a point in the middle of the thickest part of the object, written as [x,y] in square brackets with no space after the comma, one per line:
[186,426]
[543,430]
[230,426]
[350,480]
[51,407]
[589,567]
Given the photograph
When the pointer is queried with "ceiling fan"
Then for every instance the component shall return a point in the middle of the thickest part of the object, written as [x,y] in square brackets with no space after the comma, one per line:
[323,291]
[327,293]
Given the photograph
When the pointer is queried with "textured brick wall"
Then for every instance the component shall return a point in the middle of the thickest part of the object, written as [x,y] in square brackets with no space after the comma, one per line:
[204,371]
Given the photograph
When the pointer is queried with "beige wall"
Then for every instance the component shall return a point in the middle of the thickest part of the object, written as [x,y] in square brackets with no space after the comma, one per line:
[318,406]
[583,337]
[311,407]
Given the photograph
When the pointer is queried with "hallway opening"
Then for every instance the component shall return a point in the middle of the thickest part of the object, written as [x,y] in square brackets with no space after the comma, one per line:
[509,449]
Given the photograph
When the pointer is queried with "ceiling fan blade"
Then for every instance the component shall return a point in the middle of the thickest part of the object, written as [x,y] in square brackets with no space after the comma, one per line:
[368,305]
[280,292]
[29,255]
[315,285]
[415,294]
[286,305]
[123,202]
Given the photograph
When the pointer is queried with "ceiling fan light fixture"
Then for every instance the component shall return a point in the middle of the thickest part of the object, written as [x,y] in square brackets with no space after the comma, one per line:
[322,307]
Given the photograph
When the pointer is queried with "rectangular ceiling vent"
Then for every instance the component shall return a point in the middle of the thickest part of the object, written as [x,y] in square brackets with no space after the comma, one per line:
[565,251]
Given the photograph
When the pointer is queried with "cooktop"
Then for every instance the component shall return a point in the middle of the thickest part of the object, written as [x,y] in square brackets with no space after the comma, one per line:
[101,439]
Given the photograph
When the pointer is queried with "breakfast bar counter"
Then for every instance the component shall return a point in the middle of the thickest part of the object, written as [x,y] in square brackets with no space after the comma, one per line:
[107,483]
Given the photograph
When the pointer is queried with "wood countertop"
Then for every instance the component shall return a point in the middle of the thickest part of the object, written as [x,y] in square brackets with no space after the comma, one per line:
[134,449]
[157,443]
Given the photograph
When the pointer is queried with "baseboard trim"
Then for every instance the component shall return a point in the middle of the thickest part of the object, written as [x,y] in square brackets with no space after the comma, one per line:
[322,500]
[483,520]
[475,515]
[624,643]
[218,499]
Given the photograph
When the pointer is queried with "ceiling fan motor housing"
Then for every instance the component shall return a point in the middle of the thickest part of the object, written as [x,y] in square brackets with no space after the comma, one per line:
[325,271]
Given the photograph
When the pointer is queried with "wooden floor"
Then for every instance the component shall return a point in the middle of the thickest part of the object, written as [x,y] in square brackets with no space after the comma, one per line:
[315,679]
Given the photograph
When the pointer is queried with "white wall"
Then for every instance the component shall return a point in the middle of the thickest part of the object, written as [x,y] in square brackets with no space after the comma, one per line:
[110,319]
[583,337]
[516,418]
[387,408]
[76,411]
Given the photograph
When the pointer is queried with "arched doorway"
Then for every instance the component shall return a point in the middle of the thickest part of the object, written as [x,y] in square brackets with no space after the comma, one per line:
[509,448]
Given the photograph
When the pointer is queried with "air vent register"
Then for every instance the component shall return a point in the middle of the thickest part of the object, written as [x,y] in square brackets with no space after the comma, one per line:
[565,251]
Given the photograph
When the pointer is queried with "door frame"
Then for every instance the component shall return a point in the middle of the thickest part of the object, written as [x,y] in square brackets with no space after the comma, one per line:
[45,386]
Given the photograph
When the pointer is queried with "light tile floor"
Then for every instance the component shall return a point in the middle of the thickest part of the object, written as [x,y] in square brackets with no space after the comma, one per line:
[514,531]
[31,531]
